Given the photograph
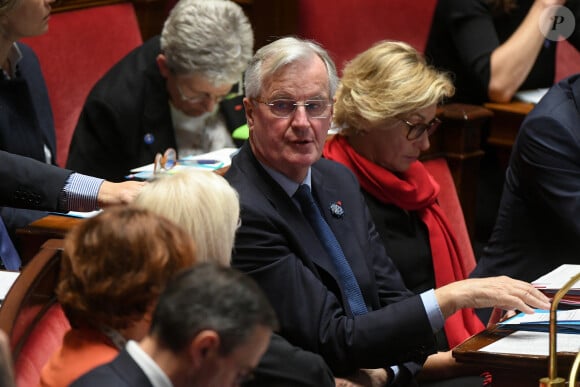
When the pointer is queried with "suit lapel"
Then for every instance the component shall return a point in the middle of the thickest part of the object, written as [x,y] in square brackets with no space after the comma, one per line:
[312,250]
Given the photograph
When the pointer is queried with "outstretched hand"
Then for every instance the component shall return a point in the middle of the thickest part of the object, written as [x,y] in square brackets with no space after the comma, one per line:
[118,193]
[500,292]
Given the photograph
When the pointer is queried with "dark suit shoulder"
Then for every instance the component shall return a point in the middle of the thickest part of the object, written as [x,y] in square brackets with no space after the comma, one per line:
[123,371]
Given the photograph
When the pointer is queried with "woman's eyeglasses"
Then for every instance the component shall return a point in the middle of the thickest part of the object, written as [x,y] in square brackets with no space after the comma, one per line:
[200,97]
[417,130]
[164,162]
[284,108]
[168,160]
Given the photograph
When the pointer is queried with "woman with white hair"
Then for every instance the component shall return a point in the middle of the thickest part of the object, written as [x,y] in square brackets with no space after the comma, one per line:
[205,205]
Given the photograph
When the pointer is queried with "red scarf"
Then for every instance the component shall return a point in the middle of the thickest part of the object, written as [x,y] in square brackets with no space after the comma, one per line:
[415,190]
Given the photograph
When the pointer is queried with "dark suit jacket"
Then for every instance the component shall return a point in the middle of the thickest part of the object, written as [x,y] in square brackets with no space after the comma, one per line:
[121,372]
[278,248]
[26,123]
[27,183]
[538,223]
[126,119]
[285,365]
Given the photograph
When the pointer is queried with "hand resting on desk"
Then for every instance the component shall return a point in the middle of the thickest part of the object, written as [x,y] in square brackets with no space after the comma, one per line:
[500,292]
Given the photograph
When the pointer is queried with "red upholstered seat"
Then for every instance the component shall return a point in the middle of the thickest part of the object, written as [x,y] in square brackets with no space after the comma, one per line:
[567,60]
[78,49]
[348,27]
[31,316]
[41,343]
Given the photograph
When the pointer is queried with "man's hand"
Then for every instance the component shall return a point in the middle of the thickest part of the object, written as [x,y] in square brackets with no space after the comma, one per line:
[364,378]
[118,193]
[501,292]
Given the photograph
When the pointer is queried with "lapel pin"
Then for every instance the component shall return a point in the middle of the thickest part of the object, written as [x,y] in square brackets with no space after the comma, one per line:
[149,138]
[336,209]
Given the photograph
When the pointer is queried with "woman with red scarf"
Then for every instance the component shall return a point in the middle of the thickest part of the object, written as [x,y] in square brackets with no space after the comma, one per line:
[384,113]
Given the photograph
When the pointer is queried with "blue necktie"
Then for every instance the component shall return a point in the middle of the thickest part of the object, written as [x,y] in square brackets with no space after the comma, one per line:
[326,236]
[8,253]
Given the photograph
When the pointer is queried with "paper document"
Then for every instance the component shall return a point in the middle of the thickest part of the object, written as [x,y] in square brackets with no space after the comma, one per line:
[531,96]
[533,343]
[7,278]
[568,321]
[557,278]
[210,161]
[78,214]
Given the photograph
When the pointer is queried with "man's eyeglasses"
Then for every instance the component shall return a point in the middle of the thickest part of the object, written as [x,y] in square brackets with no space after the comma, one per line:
[200,97]
[417,130]
[284,108]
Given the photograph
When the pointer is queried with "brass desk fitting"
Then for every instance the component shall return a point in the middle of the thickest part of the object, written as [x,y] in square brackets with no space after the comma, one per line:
[553,380]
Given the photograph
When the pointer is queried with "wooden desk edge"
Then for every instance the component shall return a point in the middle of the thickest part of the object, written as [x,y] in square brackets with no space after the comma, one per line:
[515,107]
[53,223]
[469,352]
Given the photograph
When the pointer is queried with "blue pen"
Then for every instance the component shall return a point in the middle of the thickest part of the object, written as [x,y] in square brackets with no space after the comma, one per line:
[198,162]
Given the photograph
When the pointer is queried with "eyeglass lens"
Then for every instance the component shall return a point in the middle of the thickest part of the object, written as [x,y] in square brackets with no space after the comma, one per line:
[200,97]
[284,108]
[417,130]
[165,161]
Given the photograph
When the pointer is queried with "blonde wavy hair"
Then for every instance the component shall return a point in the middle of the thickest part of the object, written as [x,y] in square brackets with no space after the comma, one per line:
[389,79]
[201,202]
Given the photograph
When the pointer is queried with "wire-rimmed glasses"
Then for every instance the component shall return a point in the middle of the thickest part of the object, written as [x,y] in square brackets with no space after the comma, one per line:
[200,97]
[284,108]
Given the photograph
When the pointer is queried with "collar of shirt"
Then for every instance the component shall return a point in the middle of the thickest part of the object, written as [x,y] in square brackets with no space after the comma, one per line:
[14,57]
[155,374]
[289,186]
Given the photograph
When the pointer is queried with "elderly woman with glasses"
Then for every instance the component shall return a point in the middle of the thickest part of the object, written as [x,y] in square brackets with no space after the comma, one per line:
[385,112]
[177,90]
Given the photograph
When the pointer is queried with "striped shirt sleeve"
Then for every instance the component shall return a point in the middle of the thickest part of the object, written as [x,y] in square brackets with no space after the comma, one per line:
[80,193]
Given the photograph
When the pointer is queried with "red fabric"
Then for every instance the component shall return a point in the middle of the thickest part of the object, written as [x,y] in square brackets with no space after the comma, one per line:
[567,60]
[79,47]
[348,27]
[415,190]
[449,202]
[82,350]
[44,339]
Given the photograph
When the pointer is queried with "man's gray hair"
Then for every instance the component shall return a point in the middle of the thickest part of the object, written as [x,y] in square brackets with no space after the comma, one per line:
[282,52]
[212,38]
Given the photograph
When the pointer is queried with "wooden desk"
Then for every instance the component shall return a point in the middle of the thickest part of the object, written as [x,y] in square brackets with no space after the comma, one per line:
[509,370]
[504,126]
[32,237]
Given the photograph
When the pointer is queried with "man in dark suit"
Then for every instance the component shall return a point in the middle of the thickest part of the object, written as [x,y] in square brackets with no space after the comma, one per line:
[31,184]
[538,223]
[27,183]
[210,328]
[289,88]
[174,91]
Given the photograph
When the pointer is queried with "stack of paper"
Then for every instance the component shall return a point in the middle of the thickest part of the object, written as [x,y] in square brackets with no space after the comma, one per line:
[532,343]
[553,281]
[568,321]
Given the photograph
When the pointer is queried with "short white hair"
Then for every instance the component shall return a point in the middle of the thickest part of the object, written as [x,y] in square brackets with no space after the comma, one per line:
[201,202]
[212,38]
